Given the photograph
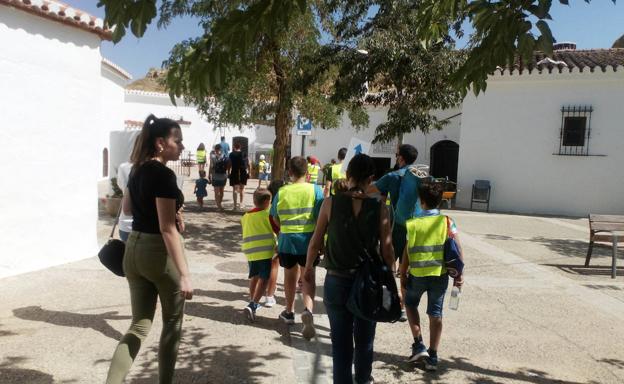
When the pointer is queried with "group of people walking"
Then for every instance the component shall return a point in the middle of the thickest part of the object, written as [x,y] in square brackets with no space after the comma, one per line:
[298,226]
[223,166]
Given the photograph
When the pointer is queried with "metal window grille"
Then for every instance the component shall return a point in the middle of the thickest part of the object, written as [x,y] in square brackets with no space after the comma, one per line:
[575,130]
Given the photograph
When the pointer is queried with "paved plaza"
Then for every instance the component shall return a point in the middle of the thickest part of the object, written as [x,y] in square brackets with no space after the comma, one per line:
[529,313]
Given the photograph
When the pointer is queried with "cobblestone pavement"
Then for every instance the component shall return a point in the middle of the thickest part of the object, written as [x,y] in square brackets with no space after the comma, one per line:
[529,313]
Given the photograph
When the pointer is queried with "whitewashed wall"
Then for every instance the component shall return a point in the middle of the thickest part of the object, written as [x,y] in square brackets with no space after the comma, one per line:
[112,112]
[510,136]
[138,105]
[329,141]
[49,101]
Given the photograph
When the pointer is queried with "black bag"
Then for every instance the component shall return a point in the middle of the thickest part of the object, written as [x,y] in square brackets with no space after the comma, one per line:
[221,165]
[112,253]
[111,256]
[374,295]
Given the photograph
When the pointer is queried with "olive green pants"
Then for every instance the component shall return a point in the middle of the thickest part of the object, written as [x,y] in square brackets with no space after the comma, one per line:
[151,273]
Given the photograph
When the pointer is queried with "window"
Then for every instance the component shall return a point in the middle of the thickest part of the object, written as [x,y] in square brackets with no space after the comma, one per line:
[575,130]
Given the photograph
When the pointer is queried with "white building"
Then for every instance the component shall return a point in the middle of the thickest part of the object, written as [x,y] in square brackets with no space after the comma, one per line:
[549,135]
[50,76]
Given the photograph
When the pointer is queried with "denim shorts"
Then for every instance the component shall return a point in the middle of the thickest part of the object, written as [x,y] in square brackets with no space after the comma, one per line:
[435,286]
[260,268]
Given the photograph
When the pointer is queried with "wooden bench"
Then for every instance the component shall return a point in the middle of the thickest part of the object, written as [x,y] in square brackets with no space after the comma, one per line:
[606,229]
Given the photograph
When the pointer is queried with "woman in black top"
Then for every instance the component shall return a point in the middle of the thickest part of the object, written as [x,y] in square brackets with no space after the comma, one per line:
[353,221]
[154,261]
[238,174]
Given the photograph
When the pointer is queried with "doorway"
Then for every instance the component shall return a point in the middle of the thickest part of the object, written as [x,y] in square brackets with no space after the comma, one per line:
[444,157]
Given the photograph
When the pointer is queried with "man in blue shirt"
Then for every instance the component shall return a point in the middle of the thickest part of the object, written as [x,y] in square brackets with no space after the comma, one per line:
[402,186]
[225,147]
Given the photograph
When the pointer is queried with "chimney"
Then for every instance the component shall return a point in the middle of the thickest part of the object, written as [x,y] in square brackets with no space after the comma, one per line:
[564,46]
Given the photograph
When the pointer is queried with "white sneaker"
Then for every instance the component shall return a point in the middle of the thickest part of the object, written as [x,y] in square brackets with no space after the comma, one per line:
[270,301]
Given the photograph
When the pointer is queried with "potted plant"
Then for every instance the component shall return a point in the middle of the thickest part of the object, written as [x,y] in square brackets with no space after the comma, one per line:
[113,202]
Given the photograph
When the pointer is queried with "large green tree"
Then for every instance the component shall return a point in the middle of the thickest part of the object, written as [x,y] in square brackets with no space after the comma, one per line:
[260,59]
[246,67]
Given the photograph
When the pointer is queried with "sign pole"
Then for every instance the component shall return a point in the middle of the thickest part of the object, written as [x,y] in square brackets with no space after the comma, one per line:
[303,146]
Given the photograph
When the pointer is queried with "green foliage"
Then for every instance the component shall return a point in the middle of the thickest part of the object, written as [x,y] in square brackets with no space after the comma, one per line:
[260,59]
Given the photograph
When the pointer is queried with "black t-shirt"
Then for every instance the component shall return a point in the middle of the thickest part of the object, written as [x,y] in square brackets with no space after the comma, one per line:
[344,251]
[151,180]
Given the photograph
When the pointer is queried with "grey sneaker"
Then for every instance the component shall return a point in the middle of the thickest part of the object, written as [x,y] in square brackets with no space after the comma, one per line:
[308,324]
[269,301]
[403,317]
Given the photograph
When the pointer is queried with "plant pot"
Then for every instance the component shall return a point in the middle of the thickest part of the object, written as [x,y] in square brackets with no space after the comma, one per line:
[112,205]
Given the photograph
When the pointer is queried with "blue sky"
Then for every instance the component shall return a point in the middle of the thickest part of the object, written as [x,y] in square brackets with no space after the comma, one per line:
[594,25]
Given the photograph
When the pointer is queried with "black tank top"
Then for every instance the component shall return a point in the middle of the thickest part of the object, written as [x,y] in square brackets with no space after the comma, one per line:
[344,252]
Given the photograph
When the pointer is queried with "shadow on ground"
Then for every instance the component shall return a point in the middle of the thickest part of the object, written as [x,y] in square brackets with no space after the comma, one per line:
[11,373]
[587,271]
[198,363]
[219,240]
[70,319]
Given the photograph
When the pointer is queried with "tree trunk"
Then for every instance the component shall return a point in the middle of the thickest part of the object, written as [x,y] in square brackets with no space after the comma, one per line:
[399,140]
[283,120]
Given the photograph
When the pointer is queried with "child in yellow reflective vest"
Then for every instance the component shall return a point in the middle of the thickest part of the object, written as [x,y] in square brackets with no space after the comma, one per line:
[422,270]
[259,241]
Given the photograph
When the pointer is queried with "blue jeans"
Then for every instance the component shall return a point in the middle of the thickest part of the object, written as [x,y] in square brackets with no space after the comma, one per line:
[345,329]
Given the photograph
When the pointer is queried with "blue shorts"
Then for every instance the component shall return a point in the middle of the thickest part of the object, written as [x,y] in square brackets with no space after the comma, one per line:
[218,183]
[260,268]
[435,286]
[264,176]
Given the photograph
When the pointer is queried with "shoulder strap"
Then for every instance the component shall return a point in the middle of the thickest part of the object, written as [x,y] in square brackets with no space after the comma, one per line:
[116,220]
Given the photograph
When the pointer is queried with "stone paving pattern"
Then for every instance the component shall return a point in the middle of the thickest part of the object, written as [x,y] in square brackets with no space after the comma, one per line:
[529,313]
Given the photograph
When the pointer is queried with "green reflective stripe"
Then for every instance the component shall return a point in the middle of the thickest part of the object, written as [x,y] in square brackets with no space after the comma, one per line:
[298,222]
[425,263]
[263,248]
[426,248]
[294,211]
[266,236]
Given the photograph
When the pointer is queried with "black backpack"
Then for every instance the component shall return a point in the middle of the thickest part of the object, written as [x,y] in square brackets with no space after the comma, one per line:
[374,295]
[221,165]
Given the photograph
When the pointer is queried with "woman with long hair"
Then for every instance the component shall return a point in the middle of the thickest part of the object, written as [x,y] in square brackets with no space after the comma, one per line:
[355,224]
[154,261]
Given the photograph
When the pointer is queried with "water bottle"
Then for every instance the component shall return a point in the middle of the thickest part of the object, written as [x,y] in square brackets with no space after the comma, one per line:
[386,298]
[454,302]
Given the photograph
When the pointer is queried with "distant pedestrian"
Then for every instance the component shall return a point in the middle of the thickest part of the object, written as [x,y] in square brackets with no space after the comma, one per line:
[259,242]
[263,173]
[313,170]
[225,147]
[154,261]
[200,190]
[335,172]
[125,216]
[355,224]
[422,270]
[218,172]
[200,156]
[237,167]
[295,208]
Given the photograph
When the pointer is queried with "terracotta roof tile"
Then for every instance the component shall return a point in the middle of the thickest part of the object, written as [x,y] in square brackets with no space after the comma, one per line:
[567,60]
[63,13]
[139,124]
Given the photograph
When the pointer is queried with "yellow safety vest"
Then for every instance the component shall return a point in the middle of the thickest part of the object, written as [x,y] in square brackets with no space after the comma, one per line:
[262,166]
[336,174]
[201,156]
[294,207]
[425,245]
[258,238]
[313,171]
